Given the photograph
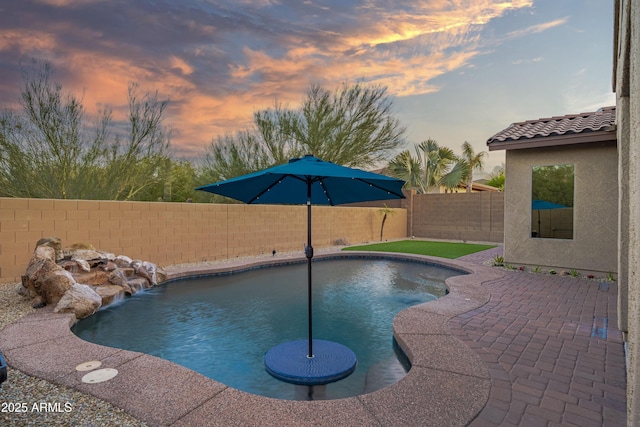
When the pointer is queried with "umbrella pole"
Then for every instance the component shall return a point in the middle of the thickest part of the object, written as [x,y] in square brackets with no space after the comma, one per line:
[309,254]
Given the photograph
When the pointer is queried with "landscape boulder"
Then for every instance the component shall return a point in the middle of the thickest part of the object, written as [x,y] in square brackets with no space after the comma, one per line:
[80,300]
[45,280]
[80,279]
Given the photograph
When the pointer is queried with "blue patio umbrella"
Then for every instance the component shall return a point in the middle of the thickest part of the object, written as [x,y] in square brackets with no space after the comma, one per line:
[541,205]
[544,205]
[311,181]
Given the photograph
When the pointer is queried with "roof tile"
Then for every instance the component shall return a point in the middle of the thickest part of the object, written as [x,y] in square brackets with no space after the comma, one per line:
[602,119]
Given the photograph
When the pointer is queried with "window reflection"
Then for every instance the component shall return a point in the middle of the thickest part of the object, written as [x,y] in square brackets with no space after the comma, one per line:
[552,202]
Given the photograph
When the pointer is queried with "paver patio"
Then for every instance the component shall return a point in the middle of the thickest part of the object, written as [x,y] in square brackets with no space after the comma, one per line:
[553,348]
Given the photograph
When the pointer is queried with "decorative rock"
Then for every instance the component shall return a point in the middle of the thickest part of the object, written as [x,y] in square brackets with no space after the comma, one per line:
[119,278]
[52,242]
[84,265]
[80,300]
[142,272]
[109,266]
[123,261]
[137,284]
[84,254]
[43,253]
[45,278]
[109,293]
[71,266]
[84,279]
[94,277]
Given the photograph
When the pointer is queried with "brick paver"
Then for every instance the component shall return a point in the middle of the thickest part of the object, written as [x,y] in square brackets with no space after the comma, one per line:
[554,352]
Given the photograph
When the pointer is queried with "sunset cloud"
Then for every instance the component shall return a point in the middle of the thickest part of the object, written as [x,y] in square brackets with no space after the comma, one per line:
[538,28]
[220,62]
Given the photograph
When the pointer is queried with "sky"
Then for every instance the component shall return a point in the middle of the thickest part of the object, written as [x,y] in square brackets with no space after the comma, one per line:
[458,70]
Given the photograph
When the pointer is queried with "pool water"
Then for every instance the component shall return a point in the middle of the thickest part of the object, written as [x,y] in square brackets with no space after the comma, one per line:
[222,326]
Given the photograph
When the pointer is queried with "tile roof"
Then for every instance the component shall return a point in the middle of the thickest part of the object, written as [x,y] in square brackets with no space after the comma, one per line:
[602,120]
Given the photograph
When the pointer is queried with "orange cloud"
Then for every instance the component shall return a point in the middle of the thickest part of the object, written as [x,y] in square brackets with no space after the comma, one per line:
[404,51]
[26,41]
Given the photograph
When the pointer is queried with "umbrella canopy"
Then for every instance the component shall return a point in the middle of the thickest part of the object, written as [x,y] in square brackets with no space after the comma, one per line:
[543,205]
[288,183]
[311,181]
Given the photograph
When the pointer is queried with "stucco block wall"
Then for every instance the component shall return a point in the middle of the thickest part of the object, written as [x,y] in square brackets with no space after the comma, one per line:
[460,216]
[627,88]
[594,243]
[175,233]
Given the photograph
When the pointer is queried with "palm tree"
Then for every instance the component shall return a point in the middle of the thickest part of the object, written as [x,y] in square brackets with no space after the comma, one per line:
[386,211]
[433,166]
[473,162]
[409,169]
[436,161]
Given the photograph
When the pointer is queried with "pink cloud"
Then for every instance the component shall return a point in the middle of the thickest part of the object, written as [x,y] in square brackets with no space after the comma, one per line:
[404,49]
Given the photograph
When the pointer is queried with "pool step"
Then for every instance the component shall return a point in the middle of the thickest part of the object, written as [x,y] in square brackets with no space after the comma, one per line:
[384,374]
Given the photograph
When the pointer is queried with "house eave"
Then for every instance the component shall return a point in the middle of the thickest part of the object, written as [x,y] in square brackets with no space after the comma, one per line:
[555,140]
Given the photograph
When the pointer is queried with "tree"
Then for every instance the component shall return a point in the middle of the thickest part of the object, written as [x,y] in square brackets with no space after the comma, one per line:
[352,126]
[409,169]
[177,180]
[44,149]
[553,184]
[496,178]
[386,211]
[132,164]
[473,162]
[49,151]
[433,166]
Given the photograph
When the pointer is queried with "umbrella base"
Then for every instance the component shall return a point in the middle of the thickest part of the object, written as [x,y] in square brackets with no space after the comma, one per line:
[330,362]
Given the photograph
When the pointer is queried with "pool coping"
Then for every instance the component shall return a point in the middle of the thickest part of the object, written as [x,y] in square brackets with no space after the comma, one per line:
[448,384]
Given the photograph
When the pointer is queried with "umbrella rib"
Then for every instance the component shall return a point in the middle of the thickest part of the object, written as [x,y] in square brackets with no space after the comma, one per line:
[273,184]
[381,188]
[326,191]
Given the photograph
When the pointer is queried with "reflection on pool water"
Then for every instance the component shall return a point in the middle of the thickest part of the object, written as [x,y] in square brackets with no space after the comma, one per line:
[222,326]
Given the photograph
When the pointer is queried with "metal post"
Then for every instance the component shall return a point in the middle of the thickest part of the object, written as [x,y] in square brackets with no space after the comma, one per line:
[309,254]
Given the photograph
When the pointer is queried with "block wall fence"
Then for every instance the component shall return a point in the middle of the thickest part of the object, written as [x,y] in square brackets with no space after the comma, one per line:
[177,233]
[459,216]
[453,216]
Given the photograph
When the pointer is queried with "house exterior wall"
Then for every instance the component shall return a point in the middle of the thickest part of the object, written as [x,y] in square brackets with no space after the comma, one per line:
[627,88]
[176,233]
[594,243]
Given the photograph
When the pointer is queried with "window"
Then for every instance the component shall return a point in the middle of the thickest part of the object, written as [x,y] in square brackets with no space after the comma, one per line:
[552,202]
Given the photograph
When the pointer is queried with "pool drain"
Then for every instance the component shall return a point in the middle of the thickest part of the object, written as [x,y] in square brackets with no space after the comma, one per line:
[88,366]
[99,376]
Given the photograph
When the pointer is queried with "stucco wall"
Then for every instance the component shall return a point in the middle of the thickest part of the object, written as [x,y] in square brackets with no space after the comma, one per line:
[594,244]
[627,87]
[175,233]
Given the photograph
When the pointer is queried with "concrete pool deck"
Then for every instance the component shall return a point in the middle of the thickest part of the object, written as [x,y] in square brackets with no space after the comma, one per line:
[503,348]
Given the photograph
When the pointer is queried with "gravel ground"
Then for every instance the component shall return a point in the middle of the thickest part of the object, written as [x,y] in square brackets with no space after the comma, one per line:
[21,392]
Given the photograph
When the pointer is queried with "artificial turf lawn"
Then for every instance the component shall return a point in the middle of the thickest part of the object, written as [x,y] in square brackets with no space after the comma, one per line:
[423,247]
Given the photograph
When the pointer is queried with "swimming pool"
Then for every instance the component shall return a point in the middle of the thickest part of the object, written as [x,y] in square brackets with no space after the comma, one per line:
[222,326]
